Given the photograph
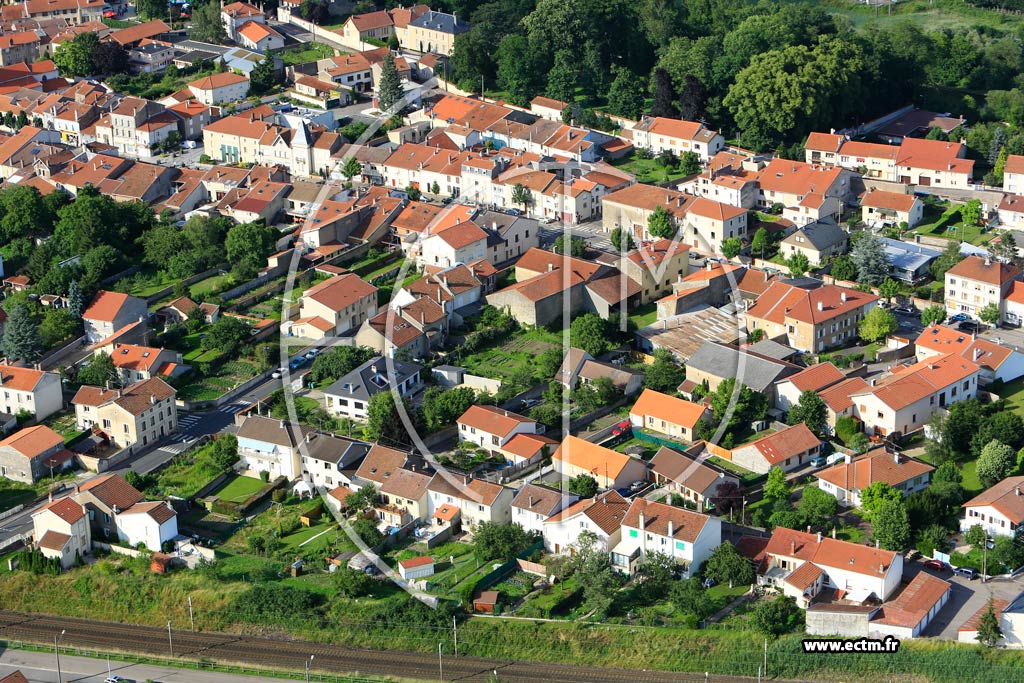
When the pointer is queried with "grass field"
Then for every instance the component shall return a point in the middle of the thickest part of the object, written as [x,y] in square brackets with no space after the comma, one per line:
[506,359]
[204,287]
[648,170]
[309,52]
[14,493]
[930,15]
[64,423]
[239,489]
[644,315]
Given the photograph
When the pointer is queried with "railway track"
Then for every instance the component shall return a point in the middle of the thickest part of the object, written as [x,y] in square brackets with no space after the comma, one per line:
[292,655]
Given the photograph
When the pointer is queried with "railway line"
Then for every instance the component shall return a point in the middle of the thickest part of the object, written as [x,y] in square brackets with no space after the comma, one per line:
[292,655]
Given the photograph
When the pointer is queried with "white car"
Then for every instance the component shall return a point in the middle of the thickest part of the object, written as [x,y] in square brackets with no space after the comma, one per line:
[113,679]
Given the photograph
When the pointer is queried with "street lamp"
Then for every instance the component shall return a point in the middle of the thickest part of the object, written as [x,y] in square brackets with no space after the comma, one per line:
[440,670]
[170,643]
[308,661]
[56,652]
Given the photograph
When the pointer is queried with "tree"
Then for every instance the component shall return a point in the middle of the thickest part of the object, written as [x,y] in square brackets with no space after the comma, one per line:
[656,574]
[590,333]
[577,245]
[878,323]
[521,195]
[352,583]
[990,314]
[892,525]
[868,255]
[21,339]
[690,597]
[500,542]
[971,212]
[933,315]
[383,421]
[989,632]
[946,260]
[726,565]
[76,302]
[777,616]
[1008,551]
[99,371]
[390,93]
[664,374]
[627,94]
[659,224]
[351,168]
[1004,426]
[665,96]
[75,56]
[517,71]
[249,244]
[693,101]
[367,532]
[873,496]
[563,78]
[435,189]
[226,335]
[583,485]
[393,43]
[442,406]
[338,362]
[760,242]
[154,9]
[599,583]
[889,289]
[775,486]
[109,58]
[362,500]
[689,164]
[731,247]
[994,463]
[812,411]
[263,76]
[843,268]
[976,536]
[817,507]
[622,240]
[58,325]
[798,264]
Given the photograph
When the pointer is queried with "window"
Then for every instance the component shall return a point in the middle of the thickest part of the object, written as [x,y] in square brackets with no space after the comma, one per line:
[632,533]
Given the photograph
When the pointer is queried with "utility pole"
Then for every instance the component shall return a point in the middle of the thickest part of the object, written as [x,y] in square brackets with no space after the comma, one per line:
[170,643]
[984,560]
[766,658]
[190,617]
[455,635]
[56,652]
[308,661]
[440,669]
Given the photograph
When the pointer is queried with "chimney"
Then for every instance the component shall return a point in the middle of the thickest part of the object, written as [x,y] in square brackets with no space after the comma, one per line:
[1017,491]
[551,267]
[531,500]
[821,306]
[881,568]
[876,543]
[671,529]
[819,537]
[668,200]
[792,547]
[896,457]
[280,424]
[642,526]
[808,528]
[842,297]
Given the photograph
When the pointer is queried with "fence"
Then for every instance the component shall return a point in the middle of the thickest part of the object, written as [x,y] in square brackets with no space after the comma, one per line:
[13,511]
[54,357]
[498,573]
[117,549]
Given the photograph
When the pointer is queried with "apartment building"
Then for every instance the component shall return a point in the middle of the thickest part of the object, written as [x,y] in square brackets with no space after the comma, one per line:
[30,390]
[659,134]
[141,414]
[810,320]
[344,301]
[136,126]
[687,537]
[977,282]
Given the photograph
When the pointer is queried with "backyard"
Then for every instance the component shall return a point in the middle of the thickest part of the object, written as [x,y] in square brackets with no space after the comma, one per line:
[307,52]
[238,489]
[648,170]
[65,424]
[513,357]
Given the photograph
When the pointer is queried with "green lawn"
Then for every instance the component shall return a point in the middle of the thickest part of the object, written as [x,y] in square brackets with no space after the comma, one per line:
[930,15]
[971,483]
[1013,394]
[210,284]
[309,52]
[14,493]
[292,541]
[239,489]
[647,170]
[644,315]
[64,423]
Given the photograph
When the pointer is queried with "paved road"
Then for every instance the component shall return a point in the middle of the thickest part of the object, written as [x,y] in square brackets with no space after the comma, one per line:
[41,667]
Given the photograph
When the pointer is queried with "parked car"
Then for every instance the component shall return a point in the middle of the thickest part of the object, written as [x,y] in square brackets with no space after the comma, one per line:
[530,402]
[971,327]
[911,555]
[276,374]
[959,317]
[966,572]
[905,310]
[637,486]
[818,461]
[934,565]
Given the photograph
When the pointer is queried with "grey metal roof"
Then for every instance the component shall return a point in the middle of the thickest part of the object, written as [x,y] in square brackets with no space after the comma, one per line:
[440,21]
[373,376]
[719,360]
[907,256]
[1016,605]
[773,349]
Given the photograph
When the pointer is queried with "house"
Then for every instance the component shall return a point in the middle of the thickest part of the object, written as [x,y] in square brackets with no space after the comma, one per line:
[1011,211]
[996,360]
[60,529]
[138,415]
[109,312]
[814,207]
[837,399]
[999,509]
[812,320]
[847,478]
[579,367]
[548,108]
[668,415]
[416,567]
[915,161]
[789,182]
[729,178]
[378,465]
[881,208]
[534,503]
[815,378]
[660,134]
[463,243]
[492,428]
[32,453]
[903,401]
[977,282]
[715,362]
[220,87]
[136,127]
[147,523]
[788,449]
[238,14]
[259,37]
[349,396]
[432,31]
[1010,614]
[909,262]
[687,537]
[344,301]
[804,565]
[685,474]
[19,47]
[179,310]
[601,515]
[403,498]
[477,500]
[714,285]
[329,460]
[612,470]
[33,391]
[104,497]
[1013,174]
[656,266]
[269,445]
[817,241]
[135,363]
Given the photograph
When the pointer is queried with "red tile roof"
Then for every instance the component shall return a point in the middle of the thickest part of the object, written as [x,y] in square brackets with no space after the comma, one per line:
[112,490]
[54,540]
[105,306]
[493,420]
[829,552]
[673,410]
[881,199]
[19,379]
[786,443]
[65,508]
[874,466]
[915,602]
[658,518]
[1007,497]
[984,270]
[33,441]
[421,561]
[816,377]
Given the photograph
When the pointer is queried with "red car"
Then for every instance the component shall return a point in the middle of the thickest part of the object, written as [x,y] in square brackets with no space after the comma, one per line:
[937,565]
[109,14]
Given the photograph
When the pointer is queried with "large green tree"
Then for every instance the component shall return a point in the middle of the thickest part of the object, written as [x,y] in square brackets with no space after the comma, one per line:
[892,525]
[590,333]
[21,340]
[384,422]
[726,565]
[810,410]
[390,97]
[878,323]
[517,73]
[626,96]
[994,463]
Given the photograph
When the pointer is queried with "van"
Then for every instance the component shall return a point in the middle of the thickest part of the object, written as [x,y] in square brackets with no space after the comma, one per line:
[966,572]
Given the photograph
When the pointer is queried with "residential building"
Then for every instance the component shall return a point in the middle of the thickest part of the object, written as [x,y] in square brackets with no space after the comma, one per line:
[492,428]
[349,396]
[534,504]
[812,320]
[904,401]
[403,498]
[109,312]
[259,37]
[137,126]
[803,565]
[977,282]
[997,361]
[548,108]
[19,47]
[909,262]
[378,465]
[656,266]
[104,498]
[999,509]
[729,178]
[26,389]
[1013,174]
[915,161]
[220,87]
[370,27]
[461,243]
[713,362]
[819,242]
[238,14]
[74,12]
[688,476]
[135,363]
[687,537]
[432,31]
[139,415]
[816,378]
[477,500]
[1011,211]
[847,478]
[60,529]
[344,301]
[790,182]
[838,402]
[148,524]
[601,515]
[329,460]
[611,469]
[416,568]
[674,417]
[1010,614]
[787,449]
[32,453]
[269,445]
[659,134]
[579,367]
[880,208]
